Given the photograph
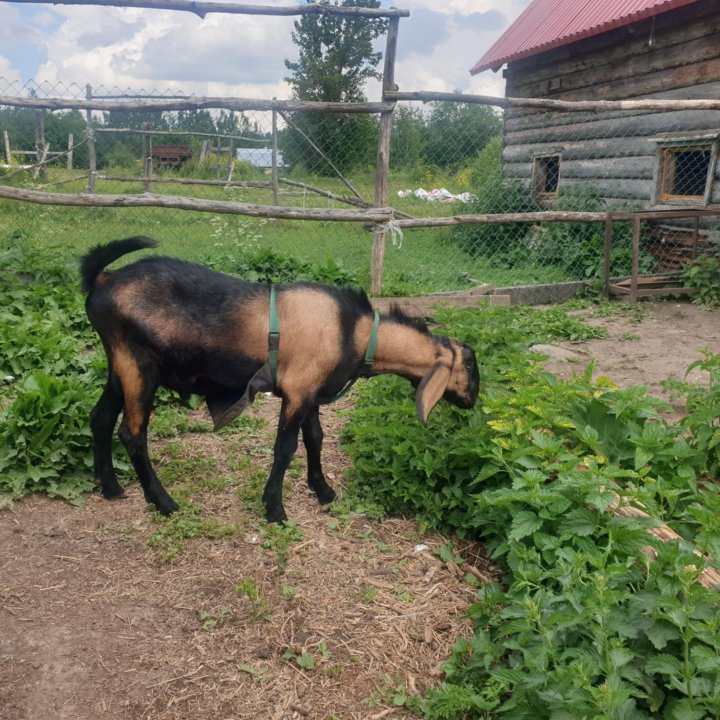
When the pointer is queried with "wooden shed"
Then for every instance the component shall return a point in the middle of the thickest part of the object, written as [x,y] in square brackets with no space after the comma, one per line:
[172,156]
[613,50]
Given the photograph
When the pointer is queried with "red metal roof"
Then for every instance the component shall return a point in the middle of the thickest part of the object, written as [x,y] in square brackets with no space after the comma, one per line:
[547,24]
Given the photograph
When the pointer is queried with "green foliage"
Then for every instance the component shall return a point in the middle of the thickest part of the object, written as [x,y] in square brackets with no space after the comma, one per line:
[484,170]
[408,137]
[585,624]
[457,131]
[260,607]
[280,538]
[703,418]
[579,247]
[174,531]
[506,243]
[20,126]
[48,378]
[336,59]
[576,248]
[703,273]
[266,265]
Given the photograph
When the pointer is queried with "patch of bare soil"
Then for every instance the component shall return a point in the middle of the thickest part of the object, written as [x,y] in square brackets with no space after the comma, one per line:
[656,344]
[94,624]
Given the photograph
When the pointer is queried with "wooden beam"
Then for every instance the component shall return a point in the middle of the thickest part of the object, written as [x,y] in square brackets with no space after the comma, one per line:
[184,203]
[166,105]
[204,8]
[559,105]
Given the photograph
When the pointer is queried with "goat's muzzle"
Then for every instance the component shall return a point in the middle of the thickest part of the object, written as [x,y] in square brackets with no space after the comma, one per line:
[465,392]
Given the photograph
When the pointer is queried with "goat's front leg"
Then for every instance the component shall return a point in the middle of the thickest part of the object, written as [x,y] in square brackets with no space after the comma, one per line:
[286,443]
[313,438]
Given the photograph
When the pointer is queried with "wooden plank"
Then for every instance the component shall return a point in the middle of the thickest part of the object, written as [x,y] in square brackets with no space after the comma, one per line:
[652,292]
[423,306]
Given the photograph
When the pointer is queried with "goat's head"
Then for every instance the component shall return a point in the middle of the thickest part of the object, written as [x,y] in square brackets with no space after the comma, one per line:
[454,376]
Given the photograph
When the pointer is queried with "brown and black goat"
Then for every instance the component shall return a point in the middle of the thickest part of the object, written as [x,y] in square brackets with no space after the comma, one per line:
[168,322]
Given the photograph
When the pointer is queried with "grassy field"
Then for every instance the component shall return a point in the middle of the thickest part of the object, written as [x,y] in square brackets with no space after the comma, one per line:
[425,261]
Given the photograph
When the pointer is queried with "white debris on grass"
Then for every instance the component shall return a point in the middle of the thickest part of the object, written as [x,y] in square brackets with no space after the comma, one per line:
[437,195]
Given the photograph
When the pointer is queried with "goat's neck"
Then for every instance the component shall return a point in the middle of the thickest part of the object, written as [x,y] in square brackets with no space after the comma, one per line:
[403,350]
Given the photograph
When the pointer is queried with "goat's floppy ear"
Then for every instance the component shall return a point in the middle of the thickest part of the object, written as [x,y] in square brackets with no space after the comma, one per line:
[432,386]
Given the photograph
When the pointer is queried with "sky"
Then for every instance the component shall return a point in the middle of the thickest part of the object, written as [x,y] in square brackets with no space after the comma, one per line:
[233,55]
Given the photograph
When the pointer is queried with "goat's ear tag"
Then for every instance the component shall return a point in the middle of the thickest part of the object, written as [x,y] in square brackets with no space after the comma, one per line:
[225,408]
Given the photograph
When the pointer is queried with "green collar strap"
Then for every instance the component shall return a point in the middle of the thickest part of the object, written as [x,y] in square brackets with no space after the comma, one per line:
[273,337]
[274,344]
[372,345]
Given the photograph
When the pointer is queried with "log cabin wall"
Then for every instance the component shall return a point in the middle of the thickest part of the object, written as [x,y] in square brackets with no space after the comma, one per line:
[625,156]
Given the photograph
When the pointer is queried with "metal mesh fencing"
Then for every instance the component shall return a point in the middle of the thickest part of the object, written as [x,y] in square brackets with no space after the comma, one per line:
[447,159]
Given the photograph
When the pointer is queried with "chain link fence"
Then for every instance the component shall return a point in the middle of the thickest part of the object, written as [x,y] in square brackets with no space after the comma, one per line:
[447,159]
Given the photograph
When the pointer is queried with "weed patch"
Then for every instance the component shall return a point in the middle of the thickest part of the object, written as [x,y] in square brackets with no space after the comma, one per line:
[585,624]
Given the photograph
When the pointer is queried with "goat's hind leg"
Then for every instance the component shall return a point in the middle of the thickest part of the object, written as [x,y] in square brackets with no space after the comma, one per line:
[103,418]
[139,393]
[313,438]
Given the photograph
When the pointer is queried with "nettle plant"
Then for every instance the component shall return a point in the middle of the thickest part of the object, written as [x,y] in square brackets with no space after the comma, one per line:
[586,624]
[48,369]
[703,274]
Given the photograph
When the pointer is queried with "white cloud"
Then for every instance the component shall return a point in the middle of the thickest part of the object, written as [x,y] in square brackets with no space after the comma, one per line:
[236,54]
[158,50]
[8,73]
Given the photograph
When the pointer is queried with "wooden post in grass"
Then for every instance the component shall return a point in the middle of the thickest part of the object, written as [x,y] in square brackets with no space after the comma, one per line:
[71,145]
[8,154]
[382,170]
[147,157]
[92,162]
[275,182]
[40,146]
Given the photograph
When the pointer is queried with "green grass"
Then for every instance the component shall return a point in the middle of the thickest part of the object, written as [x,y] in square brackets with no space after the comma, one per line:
[427,261]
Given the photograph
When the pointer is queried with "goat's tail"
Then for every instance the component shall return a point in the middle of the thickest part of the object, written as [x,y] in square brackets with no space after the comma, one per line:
[95,261]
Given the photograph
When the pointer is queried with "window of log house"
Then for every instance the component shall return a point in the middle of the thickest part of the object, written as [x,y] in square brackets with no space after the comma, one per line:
[546,177]
[685,173]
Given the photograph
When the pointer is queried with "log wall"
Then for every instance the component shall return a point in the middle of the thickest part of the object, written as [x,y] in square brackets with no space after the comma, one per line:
[674,56]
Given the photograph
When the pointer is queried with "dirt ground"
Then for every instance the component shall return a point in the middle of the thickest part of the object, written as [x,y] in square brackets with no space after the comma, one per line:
[93,623]
[656,343]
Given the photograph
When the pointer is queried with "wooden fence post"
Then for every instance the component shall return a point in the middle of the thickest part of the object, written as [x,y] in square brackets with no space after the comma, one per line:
[92,161]
[40,147]
[383,160]
[8,154]
[147,157]
[71,145]
[275,184]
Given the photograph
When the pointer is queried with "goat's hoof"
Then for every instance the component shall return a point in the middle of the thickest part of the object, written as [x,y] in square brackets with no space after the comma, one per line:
[167,507]
[325,495]
[113,492]
[276,515]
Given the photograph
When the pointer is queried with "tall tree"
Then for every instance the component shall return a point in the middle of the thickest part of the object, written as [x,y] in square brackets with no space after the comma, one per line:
[336,59]
[457,132]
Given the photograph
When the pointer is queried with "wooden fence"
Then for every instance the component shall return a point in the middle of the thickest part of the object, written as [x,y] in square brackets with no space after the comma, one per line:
[383,217]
